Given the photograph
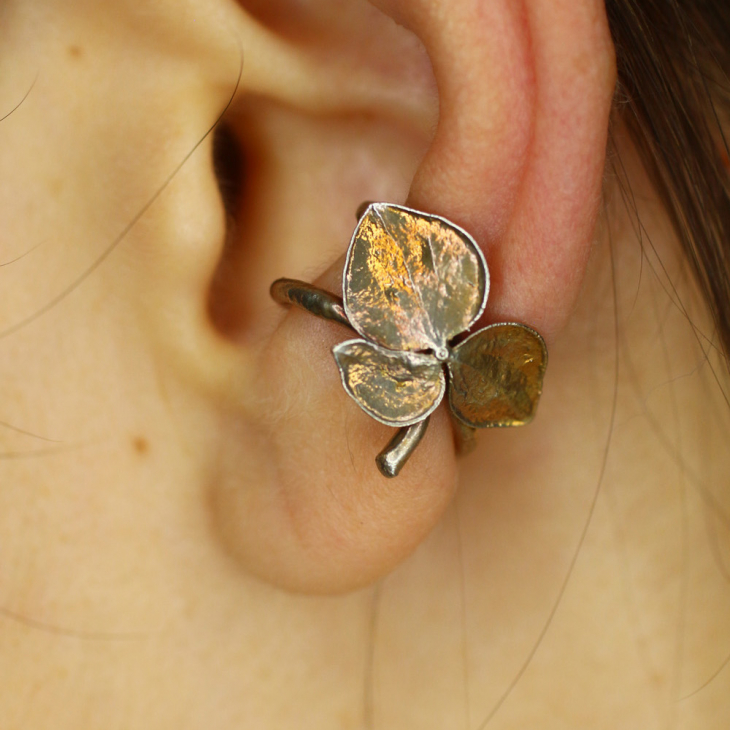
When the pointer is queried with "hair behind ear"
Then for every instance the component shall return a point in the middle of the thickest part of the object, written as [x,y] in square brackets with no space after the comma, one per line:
[672,63]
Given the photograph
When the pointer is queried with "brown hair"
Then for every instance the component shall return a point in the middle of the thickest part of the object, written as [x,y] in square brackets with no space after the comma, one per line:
[673,90]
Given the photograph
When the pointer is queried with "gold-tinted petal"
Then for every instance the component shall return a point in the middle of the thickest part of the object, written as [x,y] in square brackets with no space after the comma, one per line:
[395,388]
[412,281]
[496,376]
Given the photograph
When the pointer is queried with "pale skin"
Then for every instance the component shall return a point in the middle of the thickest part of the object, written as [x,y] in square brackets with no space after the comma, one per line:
[209,544]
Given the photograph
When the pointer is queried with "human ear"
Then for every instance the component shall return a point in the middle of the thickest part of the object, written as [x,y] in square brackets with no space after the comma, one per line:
[524,93]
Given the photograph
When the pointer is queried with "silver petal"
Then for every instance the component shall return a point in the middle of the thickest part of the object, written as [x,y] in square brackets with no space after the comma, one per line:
[412,281]
[395,388]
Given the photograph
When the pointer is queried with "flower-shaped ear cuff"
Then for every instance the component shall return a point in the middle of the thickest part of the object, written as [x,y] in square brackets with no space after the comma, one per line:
[412,284]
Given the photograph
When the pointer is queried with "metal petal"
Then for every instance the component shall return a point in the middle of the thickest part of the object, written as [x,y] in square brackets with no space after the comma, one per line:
[496,376]
[395,388]
[412,281]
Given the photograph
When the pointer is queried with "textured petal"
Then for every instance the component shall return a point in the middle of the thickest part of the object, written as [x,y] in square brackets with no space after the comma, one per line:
[412,281]
[496,376]
[395,388]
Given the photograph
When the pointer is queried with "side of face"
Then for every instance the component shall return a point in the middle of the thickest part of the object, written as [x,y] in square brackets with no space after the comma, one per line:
[192,514]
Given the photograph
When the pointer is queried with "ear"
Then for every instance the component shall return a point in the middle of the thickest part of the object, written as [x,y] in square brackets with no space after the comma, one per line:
[343,101]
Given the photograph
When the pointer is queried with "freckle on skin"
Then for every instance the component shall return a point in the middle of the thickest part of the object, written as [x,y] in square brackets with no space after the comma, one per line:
[141,445]
[75,51]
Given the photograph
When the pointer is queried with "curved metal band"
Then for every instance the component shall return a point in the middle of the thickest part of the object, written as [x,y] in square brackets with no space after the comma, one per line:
[316,301]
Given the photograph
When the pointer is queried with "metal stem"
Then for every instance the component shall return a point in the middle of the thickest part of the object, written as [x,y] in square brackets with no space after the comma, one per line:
[399,449]
[465,437]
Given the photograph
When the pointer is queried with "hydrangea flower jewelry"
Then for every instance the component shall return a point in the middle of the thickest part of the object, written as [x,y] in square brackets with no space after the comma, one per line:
[412,284]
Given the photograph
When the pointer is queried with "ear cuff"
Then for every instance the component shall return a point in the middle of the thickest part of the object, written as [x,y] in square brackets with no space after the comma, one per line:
[413,285]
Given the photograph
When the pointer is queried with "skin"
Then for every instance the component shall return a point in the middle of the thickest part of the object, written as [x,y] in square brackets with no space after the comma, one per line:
[206,541]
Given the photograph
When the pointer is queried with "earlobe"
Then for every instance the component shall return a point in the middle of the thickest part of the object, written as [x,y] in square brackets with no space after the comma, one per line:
[517,160]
